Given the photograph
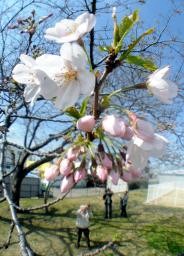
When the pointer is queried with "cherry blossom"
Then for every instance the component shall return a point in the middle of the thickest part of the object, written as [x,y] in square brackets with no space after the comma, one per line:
[113,126]
[36,80]
[140,150]
[69,73]
[161,87]
[68,30]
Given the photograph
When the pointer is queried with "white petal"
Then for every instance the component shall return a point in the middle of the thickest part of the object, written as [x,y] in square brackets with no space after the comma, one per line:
[48,88]
[70,38]
[144,145]
[138,157]
[160,73]
[31,93]
[68,96]
[74,53]
[159,145]
[87,82]
[27,60]
[87,18]
[22,74]
[50,64]
[64,31]
[164,90]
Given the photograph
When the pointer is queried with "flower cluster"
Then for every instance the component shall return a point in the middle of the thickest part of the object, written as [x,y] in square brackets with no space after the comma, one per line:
[62,79]
[127,165]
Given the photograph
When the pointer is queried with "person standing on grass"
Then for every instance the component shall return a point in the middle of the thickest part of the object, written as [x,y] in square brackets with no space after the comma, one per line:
[82,223]
[123,204]
[107,197]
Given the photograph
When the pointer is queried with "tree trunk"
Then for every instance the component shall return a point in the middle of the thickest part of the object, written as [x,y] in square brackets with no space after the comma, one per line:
[16,184]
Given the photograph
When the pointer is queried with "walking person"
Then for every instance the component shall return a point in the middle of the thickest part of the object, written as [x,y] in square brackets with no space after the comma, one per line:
[82,223]
[123,204]
[107,197]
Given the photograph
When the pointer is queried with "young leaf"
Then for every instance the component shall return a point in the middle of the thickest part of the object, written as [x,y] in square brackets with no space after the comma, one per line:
[105,102]
[125,26]
[127,23]
[139,61]
[73,112]
[134,43]
[84,106]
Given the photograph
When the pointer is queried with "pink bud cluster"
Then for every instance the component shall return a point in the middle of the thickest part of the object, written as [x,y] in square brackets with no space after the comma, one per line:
[108,169]
[66,169]
[142,143]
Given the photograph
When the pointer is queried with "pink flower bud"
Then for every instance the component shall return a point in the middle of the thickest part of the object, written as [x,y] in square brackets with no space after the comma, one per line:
[67,183]
[66,167]
[102,173]
[51,172]
[127,176]
[73,153]
[114,177]
[86,123]
[106,162]
[114,126]
[80,175]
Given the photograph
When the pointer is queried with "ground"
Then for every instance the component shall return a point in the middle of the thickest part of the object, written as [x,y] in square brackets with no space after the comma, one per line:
[148,231]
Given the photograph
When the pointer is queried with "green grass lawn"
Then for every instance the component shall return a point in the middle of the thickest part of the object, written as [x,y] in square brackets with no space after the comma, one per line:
[149,230]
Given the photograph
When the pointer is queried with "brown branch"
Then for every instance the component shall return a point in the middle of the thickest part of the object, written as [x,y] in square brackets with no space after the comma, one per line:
[97,251]
[92,35]
[40,206]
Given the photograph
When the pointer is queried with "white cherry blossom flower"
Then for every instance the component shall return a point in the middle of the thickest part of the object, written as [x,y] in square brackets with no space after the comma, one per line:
[161,87]
[69,72]
[36,80]
[68,30]
[140,150]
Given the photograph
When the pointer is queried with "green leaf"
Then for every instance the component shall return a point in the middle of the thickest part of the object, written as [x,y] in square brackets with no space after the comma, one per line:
[134,43]
[139,61]
[116,35]
[105,102]
[73,112]
[125,26]
[127,23]
[84,106]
